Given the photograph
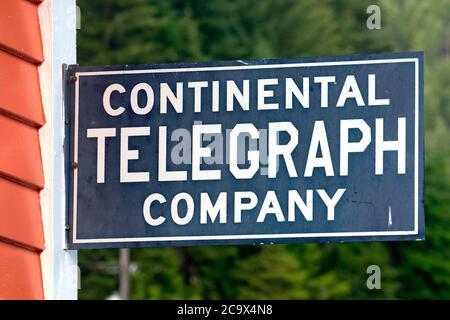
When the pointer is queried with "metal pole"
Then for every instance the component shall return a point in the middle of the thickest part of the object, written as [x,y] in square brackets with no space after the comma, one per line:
[124,264]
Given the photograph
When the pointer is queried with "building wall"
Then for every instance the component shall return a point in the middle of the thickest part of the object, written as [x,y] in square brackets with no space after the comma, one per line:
[21,169]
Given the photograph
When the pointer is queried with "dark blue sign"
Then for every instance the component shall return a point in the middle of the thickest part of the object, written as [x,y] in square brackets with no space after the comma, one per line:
[270,151]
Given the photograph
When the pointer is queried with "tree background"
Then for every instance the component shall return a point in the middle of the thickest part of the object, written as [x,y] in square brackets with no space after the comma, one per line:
[154,31]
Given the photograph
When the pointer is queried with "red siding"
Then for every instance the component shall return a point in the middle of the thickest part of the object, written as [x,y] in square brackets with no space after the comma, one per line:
[19,29]
[19,206]
[20,94]
[20,273]
[21,173]
[21,153]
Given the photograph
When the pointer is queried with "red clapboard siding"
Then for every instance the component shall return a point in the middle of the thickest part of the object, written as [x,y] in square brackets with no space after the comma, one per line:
[20,94]
[21,173]
[19,29]
[20,273]
[19,215]
[20,154]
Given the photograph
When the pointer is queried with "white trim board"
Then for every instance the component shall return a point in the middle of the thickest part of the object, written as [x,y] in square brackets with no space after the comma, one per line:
[59,265]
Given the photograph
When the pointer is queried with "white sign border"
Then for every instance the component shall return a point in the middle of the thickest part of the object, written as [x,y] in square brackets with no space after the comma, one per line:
[75,240]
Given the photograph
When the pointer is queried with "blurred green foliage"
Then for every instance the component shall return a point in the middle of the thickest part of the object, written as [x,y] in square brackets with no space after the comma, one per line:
[152,31]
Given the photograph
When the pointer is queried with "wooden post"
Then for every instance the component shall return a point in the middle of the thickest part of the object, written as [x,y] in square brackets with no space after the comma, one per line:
[124,282]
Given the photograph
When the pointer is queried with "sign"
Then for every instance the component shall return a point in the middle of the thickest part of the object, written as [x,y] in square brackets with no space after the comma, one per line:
[270,151]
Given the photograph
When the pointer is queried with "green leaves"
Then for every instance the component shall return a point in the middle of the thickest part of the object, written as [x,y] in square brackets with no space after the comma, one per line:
[137,33]
[153,31]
